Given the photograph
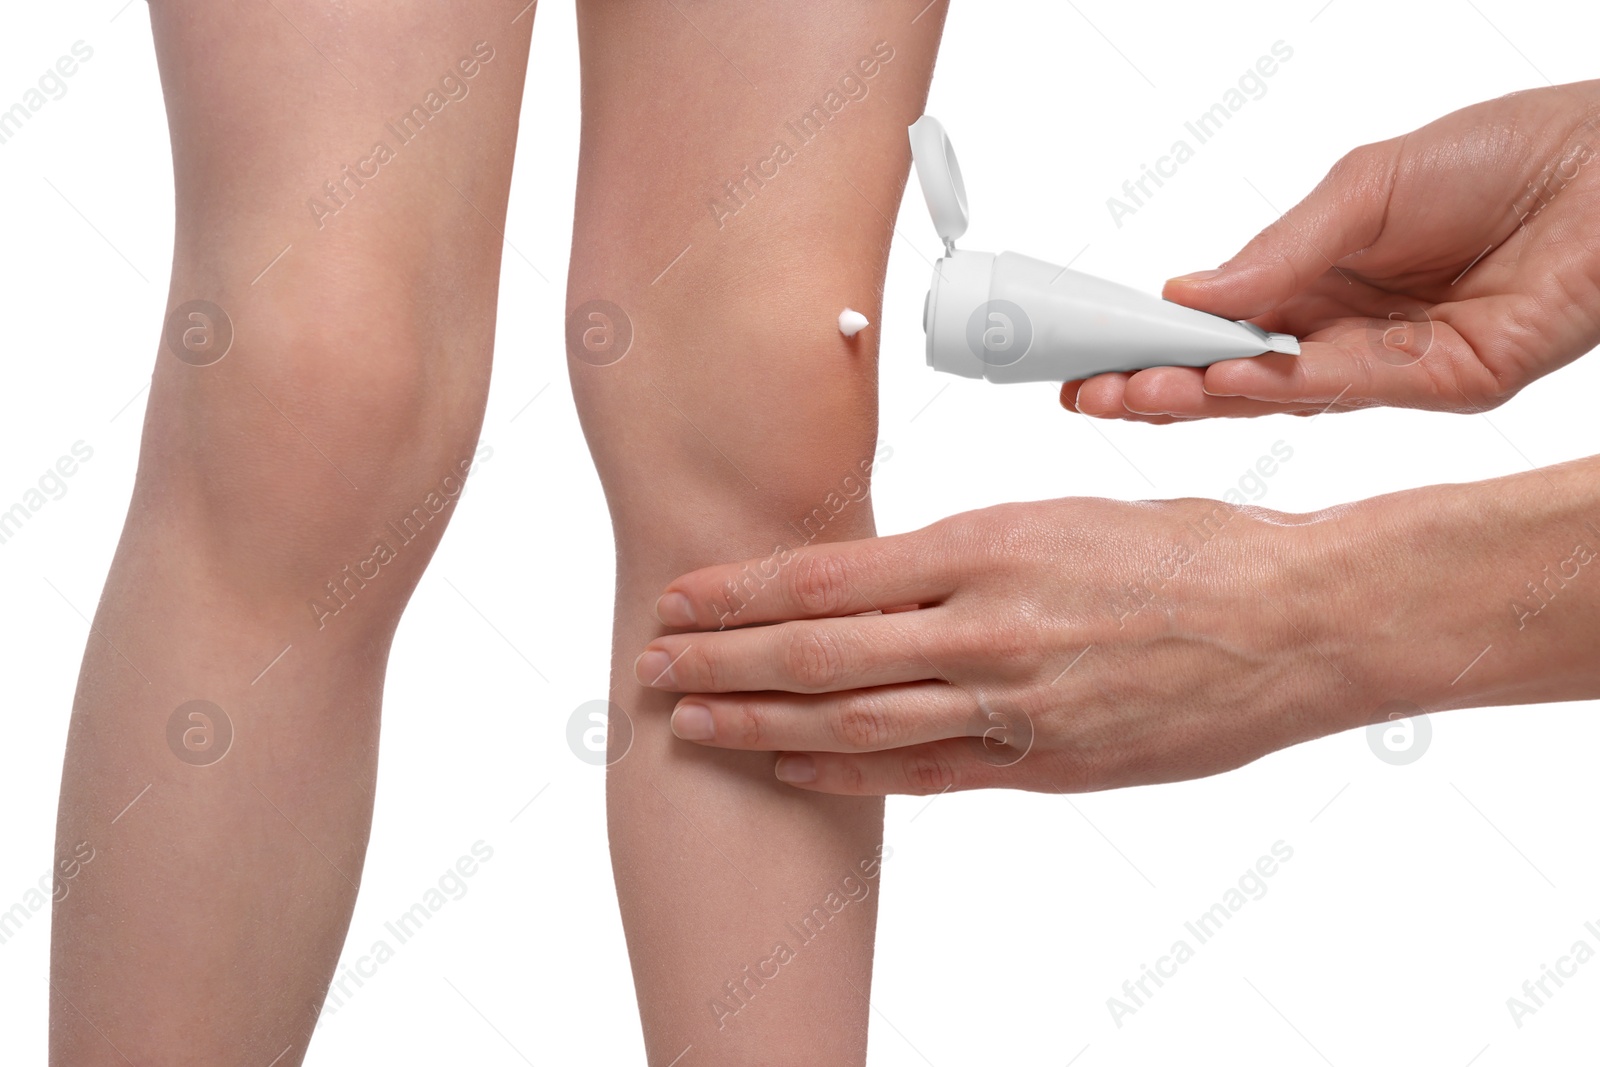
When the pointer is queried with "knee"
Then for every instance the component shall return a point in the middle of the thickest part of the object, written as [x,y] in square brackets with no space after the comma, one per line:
[343,409]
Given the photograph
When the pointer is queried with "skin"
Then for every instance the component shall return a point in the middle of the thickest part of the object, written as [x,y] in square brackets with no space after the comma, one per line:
[737,411]
[1444,269]
[1249,631]
[1079,644]
[207,926]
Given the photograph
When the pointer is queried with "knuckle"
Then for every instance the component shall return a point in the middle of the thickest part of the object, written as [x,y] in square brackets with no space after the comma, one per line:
[695,668]
[1018,532]
[851,778]
[814,659]
[986,538]
[1472,401]
[1495,399]
[1497,388]
[1012,728]
[928,772]
[1010,648]
[863,723]
[1353,163]
[821,583]
[1476,389]
[1502,387]
[741,724]
[955,530]
[1362,164]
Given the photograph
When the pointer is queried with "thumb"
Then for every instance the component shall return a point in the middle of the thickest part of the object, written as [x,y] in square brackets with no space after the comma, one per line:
[1342,215]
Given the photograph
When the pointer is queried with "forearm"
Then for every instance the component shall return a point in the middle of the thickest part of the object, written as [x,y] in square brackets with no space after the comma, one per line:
[1469,595]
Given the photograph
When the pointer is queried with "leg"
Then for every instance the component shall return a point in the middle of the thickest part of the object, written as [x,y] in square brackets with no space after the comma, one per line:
[207,926]
[739,420]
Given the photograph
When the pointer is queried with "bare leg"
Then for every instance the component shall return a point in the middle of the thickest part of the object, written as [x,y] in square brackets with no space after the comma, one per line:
[208,923]
[738,420]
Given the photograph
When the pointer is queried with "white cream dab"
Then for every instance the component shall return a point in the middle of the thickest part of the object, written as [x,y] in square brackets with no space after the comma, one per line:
[852,322]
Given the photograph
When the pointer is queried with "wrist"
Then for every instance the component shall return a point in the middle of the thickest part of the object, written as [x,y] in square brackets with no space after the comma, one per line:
[1403,607]
[1324,588]
[1454,596]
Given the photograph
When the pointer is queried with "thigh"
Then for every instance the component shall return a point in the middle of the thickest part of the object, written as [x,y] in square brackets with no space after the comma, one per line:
[294,120]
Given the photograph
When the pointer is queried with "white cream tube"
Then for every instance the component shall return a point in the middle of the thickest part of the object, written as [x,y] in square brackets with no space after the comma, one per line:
[1013,318]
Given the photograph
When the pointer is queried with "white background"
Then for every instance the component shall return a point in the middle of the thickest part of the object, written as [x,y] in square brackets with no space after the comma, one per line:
[1418,898]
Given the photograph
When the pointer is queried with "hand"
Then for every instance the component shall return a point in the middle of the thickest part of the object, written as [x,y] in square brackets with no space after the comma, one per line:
[1444,269]
[1062,645]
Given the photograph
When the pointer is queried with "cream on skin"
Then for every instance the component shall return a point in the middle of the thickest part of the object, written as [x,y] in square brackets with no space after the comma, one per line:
[852,322]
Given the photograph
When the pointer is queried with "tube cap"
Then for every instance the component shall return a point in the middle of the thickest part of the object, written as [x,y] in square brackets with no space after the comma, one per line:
[940,177]
[956,315]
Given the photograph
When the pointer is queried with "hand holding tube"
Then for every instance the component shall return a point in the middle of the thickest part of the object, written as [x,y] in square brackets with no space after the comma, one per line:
[1444,269]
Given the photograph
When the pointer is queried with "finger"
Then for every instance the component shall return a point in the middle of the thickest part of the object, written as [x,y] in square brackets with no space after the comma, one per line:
[1321,372]
[814,656]
[1334,409]
[1162,395]
[1069,400]
[1363,362]
[1102,397]
[922,770]
[1180,392]
[1341,216]
[811,582]
[860,720]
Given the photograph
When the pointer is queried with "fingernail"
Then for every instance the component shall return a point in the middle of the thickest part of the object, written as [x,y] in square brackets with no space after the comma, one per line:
[651,667]
[797,770]
[674,609]
[692,722]
[1197,276]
